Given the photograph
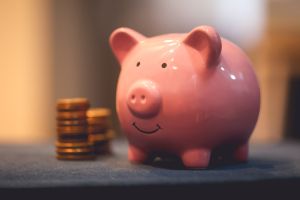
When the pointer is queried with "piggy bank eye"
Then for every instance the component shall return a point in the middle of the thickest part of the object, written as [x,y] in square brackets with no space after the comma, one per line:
[164,65]
[138,64]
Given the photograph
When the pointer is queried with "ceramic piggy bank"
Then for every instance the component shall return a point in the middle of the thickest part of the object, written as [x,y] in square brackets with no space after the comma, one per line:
[185,95]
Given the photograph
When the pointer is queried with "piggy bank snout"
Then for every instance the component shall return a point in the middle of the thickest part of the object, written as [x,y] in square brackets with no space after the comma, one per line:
[144,99]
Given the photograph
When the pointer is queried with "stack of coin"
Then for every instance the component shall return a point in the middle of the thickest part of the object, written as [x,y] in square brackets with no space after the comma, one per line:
[72,137]
[99,129]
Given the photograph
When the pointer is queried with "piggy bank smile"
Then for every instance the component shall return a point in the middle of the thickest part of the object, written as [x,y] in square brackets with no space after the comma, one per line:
[148,132]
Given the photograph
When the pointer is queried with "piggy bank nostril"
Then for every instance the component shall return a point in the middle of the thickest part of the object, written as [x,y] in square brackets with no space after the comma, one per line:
[132,99]
[143,99]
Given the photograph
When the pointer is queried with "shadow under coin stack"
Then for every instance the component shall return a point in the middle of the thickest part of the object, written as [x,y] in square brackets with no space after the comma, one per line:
[72,137]
[99,129]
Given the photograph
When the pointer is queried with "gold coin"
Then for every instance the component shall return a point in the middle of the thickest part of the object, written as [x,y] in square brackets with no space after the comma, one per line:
[101,137]
[103,148]
[98,112]
[73,144]
[76,150]
[100,143]
[72,104]
[97,137]
[75,140]
[71,129]
[110,135]
[75,157]
[96,129]
[66,115]
[68,138]
[79,122]
[101,121]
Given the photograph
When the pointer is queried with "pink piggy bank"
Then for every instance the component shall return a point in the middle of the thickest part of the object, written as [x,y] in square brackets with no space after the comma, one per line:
[185,95]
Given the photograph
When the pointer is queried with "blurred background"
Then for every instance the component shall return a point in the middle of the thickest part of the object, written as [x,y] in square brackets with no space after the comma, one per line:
[53,49]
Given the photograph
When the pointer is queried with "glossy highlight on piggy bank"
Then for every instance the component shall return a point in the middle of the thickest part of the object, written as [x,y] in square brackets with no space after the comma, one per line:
[185,95]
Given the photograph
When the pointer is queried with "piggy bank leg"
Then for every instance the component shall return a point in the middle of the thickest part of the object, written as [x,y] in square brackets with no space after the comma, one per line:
[136,155]
[196,158]
[240,153]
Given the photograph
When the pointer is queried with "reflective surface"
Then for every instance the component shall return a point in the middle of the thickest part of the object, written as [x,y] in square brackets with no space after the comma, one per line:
[204,96]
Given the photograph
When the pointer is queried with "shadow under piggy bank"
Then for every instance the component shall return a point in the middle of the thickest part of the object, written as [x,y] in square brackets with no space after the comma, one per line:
[217,163]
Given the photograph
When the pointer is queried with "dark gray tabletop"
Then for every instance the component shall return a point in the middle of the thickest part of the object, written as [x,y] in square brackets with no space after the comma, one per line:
[36,166]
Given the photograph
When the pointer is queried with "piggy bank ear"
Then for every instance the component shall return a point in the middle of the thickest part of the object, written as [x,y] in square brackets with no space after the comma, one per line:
[207,41]
[122,41]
